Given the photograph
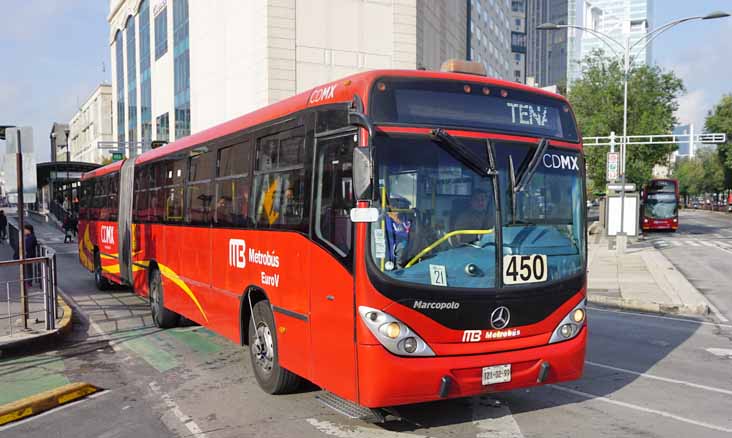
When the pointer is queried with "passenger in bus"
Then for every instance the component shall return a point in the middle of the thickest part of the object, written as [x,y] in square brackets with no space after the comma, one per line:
[478,216]
[223,210]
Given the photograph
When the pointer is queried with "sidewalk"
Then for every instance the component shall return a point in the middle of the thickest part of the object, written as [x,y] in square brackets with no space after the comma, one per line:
[642,279]
[12,333]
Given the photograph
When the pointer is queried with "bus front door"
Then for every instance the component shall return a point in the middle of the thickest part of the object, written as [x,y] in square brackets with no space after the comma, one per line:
[332,298]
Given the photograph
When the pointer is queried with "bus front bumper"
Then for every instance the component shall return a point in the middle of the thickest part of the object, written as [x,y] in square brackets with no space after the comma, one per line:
[388,380]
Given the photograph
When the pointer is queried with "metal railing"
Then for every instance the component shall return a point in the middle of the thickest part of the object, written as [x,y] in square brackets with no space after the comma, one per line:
[35,292]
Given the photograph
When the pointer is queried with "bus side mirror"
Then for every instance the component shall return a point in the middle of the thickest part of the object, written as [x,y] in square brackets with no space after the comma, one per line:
[363,171]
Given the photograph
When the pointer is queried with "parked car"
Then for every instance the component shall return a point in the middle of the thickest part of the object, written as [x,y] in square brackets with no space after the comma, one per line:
[695,205]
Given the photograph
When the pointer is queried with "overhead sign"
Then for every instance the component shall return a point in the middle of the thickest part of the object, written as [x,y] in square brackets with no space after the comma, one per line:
[118,156]
[619,187]
[612,166]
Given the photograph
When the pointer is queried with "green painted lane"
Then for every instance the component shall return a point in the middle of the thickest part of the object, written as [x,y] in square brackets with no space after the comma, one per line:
[199,339]
[23,377]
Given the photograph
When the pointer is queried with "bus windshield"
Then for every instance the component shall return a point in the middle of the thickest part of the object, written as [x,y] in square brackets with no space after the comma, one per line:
[661,206]
[438,218]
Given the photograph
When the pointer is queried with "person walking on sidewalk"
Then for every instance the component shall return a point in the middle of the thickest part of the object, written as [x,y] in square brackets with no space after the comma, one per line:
[68,225]
[30,252]
[3,226]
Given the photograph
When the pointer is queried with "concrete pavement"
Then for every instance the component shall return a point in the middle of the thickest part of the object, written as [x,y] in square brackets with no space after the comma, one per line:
[645,375]
[642,279]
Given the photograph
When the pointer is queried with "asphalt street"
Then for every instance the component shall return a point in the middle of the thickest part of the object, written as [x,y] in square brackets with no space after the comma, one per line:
[645,376]
[702,250]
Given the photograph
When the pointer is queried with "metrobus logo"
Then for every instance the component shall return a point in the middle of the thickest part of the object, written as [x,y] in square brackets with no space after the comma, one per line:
[237,253]
[107,234]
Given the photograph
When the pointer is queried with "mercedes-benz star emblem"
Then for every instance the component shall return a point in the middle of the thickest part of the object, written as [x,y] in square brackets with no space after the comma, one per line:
[500,317]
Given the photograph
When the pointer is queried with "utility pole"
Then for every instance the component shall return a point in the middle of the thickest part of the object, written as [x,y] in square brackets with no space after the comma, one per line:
[21,227]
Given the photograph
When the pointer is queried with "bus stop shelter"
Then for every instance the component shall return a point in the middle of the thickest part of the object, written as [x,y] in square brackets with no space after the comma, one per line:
[58,185]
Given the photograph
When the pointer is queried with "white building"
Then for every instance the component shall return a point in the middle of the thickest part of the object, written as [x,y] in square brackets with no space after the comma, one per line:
[620,19]
[180,66]
[490,36]
[91,125]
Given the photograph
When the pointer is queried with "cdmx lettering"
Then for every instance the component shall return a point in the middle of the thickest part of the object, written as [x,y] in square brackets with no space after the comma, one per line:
[107,234]
[555,161]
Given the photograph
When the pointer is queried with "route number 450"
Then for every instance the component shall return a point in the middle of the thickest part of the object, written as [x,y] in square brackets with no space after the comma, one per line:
[518,269]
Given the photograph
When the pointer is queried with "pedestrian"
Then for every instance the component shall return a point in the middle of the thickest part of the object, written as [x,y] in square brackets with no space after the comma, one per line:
[67,225]
[3,226]
[74,224]
[29,246]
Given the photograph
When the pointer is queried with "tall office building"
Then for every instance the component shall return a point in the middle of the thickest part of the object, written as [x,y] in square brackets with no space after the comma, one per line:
[618,19]
[546,53]
[181,66]
[489,38]
[518,40]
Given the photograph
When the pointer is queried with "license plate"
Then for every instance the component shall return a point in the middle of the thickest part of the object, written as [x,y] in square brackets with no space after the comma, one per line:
[496,374]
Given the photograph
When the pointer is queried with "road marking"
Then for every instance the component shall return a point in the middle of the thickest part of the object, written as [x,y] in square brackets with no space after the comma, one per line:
[693,243]
[689,320]
[175,409]
[724,353]
[494,421]
[643,409]
[662,379]
[707,243]
[346,431]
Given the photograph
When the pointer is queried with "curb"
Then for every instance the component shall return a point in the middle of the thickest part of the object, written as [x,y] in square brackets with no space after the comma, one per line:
[643,306]
[63,328]
[44,401]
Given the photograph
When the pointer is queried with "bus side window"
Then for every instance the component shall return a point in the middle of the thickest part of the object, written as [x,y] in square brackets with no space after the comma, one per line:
[232,186]
[198,189]
[280,187]
[334,195]
[113,198]
[173,191]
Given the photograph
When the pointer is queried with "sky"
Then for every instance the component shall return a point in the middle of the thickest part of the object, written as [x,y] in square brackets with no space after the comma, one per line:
[52,54]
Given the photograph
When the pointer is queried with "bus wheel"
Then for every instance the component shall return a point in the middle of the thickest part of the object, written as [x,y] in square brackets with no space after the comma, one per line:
[161,316]
[99,281]
[272,378]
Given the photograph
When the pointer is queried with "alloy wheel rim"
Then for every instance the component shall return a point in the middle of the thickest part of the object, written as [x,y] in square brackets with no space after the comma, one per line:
[263,348]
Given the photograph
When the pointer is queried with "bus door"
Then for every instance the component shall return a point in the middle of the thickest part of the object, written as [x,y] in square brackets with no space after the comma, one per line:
[332,297]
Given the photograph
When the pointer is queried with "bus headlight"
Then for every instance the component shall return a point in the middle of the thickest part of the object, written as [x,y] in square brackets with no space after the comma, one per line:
[571,325]
[393,334]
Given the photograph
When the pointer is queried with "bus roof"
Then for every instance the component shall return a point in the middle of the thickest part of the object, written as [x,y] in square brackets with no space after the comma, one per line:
[339,91]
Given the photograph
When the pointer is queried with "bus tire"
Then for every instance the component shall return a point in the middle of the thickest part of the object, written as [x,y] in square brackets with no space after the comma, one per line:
[99,281]
[161,316]
[263,351]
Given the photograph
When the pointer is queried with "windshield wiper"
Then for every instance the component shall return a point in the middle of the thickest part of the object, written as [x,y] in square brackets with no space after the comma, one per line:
[525,177]
[465,155]
[518,184]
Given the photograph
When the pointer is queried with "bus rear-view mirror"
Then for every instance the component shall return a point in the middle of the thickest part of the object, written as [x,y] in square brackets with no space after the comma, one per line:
[362,173]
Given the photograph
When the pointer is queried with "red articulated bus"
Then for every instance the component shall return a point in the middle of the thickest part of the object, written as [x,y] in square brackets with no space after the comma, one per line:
[393,237]
[661,205]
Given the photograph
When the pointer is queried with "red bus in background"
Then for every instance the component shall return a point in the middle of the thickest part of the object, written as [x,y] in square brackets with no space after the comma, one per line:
[661,205]
[393,237]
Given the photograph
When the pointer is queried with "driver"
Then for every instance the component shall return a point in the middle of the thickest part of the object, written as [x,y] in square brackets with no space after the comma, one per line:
[478,216]
[398,227]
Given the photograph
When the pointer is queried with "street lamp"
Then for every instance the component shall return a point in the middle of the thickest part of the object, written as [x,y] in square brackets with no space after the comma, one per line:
[627,48]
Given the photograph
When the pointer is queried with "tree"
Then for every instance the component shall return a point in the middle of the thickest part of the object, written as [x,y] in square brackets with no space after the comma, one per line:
[720,120]
[597,99]
[701,174]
